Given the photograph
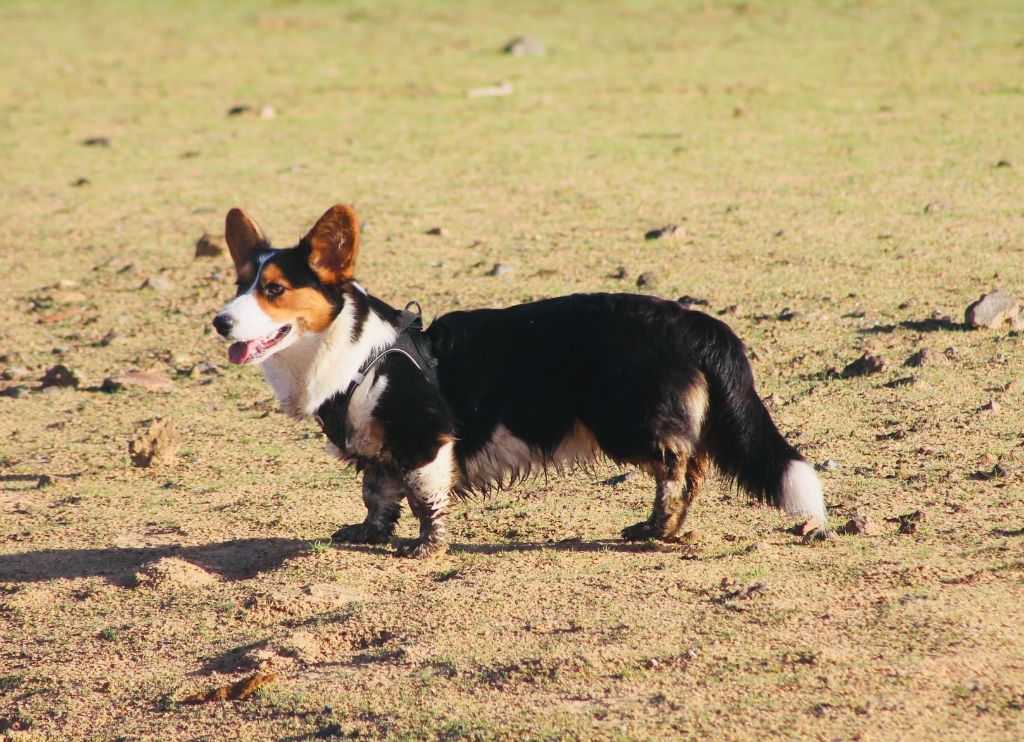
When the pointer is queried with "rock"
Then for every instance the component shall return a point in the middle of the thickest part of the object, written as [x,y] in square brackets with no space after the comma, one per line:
[620,478]
[437,232]
[992,310]
[992,408]
[923,357]
[68,297]
[55,317]
[860,524]
[866,365]
[500,269]
[141,379]
[827,465]
[908,522]
[67,283]
[692,301]
[620,273]
[96,142]
[210,246]
[267,112]
[157,283]
[157,445]
[657,234]
[806,528]
[491,91]
[60,375]
[525,46]
[647,279]
[203,368]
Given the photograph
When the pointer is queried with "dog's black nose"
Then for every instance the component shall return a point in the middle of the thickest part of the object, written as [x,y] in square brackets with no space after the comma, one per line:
[223,324]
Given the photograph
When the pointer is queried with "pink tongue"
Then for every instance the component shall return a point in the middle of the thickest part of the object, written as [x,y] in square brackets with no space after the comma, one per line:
[240,352]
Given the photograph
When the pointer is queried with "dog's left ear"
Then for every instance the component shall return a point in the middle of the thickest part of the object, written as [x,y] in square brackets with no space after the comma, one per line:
[334,242]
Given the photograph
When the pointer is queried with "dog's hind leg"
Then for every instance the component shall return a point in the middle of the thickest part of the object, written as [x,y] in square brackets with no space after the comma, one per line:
[675,492]
[428,489]
[383,490]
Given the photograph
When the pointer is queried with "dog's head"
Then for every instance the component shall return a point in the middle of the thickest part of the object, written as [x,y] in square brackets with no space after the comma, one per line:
[285,294]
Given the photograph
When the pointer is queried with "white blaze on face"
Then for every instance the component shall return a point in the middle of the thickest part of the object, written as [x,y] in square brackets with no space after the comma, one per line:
[248,320]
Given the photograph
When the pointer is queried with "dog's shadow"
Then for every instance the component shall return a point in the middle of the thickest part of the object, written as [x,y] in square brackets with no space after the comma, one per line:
[232,560]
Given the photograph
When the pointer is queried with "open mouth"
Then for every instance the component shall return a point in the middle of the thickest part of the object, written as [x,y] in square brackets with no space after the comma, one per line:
[251,351]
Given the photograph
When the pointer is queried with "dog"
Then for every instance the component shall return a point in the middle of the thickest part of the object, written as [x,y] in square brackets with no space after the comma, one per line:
[483,398]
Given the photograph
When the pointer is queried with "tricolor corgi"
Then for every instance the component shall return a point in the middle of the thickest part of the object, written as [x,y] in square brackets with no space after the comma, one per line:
[482,398]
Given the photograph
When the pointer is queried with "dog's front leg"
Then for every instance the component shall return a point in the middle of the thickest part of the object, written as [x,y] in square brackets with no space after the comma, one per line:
[428,489]
[383,490]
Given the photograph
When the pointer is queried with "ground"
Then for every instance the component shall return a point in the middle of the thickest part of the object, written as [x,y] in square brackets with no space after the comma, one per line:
[845,177]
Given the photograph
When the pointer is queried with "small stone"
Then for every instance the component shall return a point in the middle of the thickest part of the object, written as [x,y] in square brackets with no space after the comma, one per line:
[860,524]
[692,301]
[525,46]
[68,297]
[203,368]
[267,112]
[491,91]
[157,283]
[140,379]
[652,663]
[828,465]
[500,269]
[908,522]
[240,109]
[620,273]
[647,279]
[210,246]
[437,232]
[96,142]
[1004,163]
[992,310]
[806,528]
[79,182]
[923,357]
[657,234]
[991,408]
[61,376]
[157,445]
[866,365]
[620,478]
[67,283]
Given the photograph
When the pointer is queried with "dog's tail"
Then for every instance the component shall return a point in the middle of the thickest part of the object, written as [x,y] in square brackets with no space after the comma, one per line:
[740,435]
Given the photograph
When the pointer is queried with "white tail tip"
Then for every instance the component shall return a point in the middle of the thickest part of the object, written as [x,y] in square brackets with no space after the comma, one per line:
[801,492]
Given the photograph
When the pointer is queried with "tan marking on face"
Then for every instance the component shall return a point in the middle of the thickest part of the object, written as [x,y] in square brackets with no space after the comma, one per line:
[304,306]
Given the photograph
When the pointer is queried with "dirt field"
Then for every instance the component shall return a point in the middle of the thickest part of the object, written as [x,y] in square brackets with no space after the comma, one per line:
[845,176]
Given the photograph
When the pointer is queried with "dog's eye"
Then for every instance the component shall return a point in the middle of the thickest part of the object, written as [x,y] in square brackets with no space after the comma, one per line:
[274,290]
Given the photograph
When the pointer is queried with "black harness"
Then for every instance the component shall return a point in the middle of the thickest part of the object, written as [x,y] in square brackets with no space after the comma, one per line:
[410,342]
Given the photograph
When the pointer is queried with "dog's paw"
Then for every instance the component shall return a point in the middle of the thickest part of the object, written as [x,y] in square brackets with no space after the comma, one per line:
[642,531]
[361,533]
[421,548]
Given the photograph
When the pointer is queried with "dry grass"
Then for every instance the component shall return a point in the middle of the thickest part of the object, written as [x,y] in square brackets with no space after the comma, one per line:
[837,159]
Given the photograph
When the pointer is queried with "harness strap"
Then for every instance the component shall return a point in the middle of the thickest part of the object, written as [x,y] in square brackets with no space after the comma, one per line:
[410,342]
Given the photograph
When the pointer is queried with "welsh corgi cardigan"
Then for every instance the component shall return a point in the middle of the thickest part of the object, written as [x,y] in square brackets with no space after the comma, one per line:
[495,394]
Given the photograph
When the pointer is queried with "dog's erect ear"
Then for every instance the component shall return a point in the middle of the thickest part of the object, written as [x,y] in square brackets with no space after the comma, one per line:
[334,242]
[243,236]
